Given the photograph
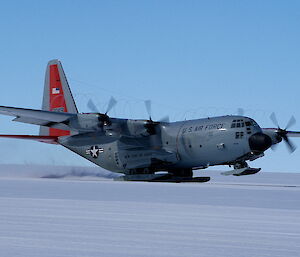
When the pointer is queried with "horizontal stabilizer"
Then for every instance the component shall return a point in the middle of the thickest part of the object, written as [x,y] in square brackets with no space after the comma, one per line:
[43,139]
[58,120]
[46,116]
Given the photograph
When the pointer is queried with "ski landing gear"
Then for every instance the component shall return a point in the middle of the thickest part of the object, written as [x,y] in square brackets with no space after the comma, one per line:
[241,169]
[175,176]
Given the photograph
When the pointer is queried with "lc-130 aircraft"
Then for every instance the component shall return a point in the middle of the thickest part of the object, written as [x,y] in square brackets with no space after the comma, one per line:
[147,150]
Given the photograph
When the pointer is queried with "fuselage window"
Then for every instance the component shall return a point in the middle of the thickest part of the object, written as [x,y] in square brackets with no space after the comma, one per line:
[248,130]
[239,134]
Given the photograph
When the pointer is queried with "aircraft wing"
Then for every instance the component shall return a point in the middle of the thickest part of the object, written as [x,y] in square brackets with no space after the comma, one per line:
[293,133]
[37,117]
[289,133]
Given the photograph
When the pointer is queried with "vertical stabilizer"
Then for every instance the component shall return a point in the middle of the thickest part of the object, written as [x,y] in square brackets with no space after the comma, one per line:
[57,96]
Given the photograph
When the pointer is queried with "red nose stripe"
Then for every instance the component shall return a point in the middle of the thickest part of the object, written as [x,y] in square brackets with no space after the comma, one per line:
[57,100]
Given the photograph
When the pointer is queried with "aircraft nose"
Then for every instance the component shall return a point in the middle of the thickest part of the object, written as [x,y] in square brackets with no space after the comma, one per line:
[260,142]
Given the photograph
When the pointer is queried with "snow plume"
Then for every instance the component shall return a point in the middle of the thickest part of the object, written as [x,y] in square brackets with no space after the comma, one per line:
[51,171]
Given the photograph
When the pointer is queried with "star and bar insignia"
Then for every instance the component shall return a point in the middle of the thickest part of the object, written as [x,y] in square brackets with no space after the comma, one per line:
[94,151]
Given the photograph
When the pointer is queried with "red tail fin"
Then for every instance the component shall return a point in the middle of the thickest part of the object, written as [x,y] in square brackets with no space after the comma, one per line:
[57,99]
[57,96]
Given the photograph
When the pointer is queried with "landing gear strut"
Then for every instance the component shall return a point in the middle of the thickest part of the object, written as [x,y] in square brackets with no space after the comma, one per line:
[240,165]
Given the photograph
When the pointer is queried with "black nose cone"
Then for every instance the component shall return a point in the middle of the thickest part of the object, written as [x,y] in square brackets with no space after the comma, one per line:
[260,142]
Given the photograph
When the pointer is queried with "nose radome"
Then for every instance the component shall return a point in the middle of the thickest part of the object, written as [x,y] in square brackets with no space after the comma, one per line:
[260,142]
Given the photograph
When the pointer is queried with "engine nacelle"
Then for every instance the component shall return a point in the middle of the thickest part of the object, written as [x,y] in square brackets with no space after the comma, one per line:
[85,122]
[273,135]
[137,128]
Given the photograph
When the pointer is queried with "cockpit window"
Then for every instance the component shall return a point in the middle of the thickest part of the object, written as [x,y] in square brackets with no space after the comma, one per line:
[237,124]
[253,123]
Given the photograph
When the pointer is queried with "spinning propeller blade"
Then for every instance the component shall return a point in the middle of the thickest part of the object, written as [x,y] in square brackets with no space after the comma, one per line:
[111,104]
[283,133]
[289,144]
[274,119]
[148,105]
[151,125]
[291,122]
[92,106]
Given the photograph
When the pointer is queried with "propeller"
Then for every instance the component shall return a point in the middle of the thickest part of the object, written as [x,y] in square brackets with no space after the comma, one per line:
[283,133]
[148,104]
[151,125]
[103,117]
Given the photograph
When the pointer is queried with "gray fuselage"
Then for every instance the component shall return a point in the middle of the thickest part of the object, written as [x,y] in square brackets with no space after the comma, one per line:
[186,144]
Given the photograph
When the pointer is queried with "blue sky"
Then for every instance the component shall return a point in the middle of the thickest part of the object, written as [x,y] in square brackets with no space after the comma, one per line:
[193,59]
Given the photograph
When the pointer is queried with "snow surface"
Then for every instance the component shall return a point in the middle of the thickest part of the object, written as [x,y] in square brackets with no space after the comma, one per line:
[255,215]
